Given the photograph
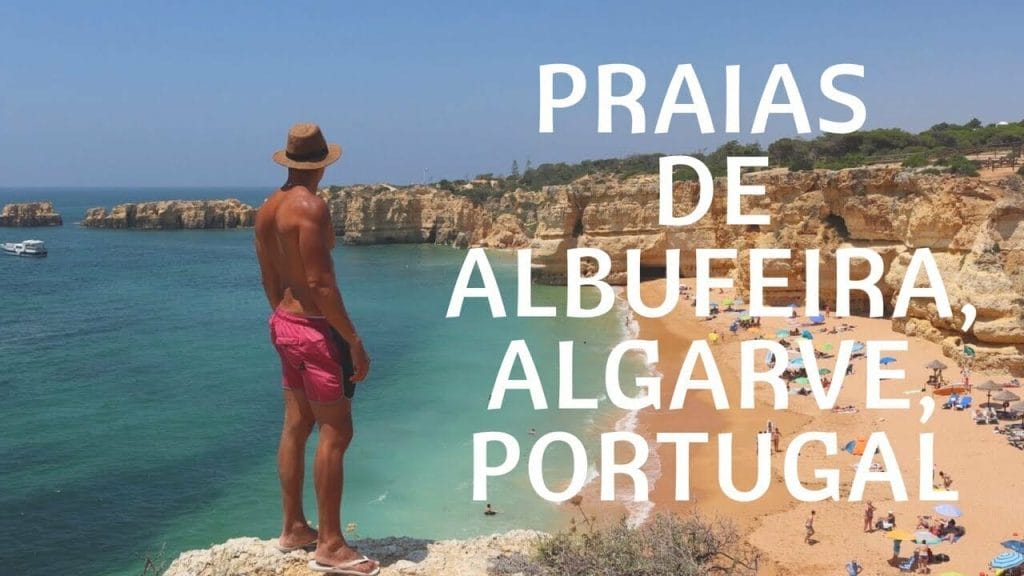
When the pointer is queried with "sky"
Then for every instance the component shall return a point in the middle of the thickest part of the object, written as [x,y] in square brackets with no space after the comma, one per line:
[200,93]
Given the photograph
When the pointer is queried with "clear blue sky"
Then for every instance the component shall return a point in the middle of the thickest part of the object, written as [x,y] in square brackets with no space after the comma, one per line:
[201,92]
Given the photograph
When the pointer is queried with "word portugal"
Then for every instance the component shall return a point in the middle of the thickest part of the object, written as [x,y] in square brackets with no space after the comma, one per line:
[610,468]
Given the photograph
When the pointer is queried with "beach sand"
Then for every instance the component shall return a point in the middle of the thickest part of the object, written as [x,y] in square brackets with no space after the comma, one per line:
[987,471]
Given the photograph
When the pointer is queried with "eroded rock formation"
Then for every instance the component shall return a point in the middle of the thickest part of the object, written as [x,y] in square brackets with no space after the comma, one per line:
[974,228]
[398,556]
[30,214]
[173,215]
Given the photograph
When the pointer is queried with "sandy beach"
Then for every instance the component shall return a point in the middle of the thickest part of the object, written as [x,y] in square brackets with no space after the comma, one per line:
[986,470]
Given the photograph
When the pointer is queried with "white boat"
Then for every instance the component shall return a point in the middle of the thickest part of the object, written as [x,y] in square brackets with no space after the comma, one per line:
[24,248]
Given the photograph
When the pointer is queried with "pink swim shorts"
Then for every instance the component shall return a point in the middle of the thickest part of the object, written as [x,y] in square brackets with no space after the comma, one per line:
[310,359]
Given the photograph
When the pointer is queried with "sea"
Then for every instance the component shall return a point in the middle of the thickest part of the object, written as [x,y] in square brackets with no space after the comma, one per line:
[140,400]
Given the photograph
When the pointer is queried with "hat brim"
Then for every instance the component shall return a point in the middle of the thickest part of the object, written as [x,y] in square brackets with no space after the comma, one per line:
[333,153]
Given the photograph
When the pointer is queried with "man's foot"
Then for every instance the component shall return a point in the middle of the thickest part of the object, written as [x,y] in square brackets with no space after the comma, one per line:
[343,560]
[300,537]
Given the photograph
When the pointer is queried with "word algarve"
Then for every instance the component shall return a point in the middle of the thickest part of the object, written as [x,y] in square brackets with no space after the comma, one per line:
[699,357]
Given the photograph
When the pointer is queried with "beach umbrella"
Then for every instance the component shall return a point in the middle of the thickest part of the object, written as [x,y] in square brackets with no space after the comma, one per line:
[802,380]
[989,386]
[857,347]
[1015,545]
[817,319]
[1008,559]
[948,510]
[899,534]
[1005,396]
[827,347]
[951,574]
[935,365]
[798,362]
[926,537]
[807,334]
[1018,407]
[713,336]
[727,302]
[887,360]
[824,371]
[781,333]
[738,300]
[745,317]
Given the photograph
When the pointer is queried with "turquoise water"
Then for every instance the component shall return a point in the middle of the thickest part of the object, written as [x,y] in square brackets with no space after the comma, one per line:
[140,403]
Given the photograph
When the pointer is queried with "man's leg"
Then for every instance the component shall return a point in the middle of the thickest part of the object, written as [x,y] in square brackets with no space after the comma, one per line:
[291,459]
[335,421]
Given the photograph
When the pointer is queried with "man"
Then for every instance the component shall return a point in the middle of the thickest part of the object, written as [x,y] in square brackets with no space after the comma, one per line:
[809,525]
[316,341]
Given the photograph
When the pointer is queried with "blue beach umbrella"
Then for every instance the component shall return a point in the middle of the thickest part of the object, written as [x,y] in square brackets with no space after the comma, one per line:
[926,537]
[1015,545]
[798,362]
[807,334]
[781,333]
[857,347]
[1009,559]
[949,510]
[887,360]
[738,300]
[817,319]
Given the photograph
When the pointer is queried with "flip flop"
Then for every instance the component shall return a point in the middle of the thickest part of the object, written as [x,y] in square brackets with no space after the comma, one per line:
[286,549]
[344,569]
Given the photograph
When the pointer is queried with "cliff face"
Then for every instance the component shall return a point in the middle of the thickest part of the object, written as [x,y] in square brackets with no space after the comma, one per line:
[974,228]
[398,556]
[30,214]
[387,215]
[173,215]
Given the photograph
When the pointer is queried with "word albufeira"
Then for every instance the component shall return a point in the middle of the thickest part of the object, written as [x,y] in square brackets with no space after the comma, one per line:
[578,281]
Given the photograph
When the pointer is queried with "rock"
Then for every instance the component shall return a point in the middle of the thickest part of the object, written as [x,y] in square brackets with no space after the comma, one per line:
[384,214]
[30,214]
[405,556]
[173,215]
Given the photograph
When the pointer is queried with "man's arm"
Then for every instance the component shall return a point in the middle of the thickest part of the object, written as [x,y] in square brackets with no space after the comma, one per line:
[315,239]
[271,280]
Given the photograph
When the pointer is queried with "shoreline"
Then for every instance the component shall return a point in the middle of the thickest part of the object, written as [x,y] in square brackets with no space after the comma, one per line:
[774,523]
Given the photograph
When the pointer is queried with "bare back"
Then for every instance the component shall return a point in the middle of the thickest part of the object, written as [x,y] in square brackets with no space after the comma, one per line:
[294,237]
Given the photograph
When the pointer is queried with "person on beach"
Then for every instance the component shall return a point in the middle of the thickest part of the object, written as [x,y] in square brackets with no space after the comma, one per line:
[809,527]
[853,568]
[776,438]
[322,355]
[488,511]
[947,480]
[869,516]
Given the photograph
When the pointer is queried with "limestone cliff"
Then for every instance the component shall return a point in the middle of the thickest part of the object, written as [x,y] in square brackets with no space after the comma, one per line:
[30,214]
[387,215]
[398,556]
[173,215]
[974,228]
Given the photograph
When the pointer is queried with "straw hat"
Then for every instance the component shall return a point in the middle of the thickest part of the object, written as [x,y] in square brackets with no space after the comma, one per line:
[307,149]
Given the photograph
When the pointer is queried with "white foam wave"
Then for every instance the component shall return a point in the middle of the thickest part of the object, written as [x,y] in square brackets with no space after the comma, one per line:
[380,498]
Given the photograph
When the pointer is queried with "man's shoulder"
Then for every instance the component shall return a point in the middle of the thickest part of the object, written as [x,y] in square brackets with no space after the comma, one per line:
[303,204]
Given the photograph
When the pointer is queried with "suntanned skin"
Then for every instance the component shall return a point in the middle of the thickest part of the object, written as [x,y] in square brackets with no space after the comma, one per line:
[294,237]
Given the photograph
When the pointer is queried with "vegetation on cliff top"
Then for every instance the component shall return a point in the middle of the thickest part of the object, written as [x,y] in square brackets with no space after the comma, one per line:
[669,544]
[943,146]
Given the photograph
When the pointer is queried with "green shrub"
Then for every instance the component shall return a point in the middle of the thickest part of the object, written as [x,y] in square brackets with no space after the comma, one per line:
[916,160]
[962,166]
[800,162]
